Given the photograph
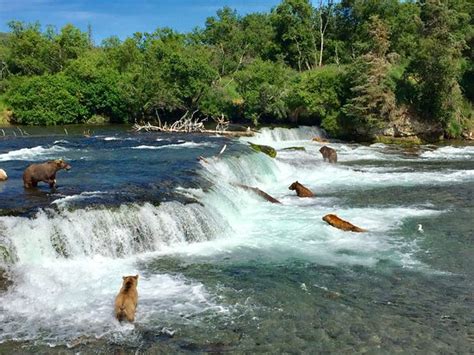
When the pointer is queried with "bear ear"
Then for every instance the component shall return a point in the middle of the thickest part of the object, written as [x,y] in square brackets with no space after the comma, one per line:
[124,277]
[136,277]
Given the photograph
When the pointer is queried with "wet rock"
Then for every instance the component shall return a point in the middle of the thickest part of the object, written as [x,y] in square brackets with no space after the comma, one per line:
[407,125]
[259,192]
[5,282]
[3,175]
[270,151]
[295,148]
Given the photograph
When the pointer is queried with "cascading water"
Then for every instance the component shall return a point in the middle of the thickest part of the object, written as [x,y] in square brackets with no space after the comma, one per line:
[276,135]
[196,259]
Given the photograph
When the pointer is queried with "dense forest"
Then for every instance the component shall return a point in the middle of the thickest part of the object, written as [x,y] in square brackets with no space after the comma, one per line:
[357,68]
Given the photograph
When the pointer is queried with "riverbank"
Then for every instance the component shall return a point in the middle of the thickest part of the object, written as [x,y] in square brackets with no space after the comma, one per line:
[236,130]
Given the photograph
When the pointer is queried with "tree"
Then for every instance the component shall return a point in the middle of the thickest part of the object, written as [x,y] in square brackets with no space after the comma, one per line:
[316,96]
[45,100]
[436,66]
[373,100]
[295,25]
[263,86]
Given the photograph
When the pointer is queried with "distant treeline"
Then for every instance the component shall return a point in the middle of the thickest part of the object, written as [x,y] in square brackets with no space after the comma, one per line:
[352,67]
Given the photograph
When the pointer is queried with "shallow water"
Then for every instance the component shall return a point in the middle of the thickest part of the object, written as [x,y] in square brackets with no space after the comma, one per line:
[222,270]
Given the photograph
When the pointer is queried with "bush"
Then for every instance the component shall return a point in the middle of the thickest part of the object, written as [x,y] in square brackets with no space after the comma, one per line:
[315,97]
[45,100]
[98,87]
[264,86]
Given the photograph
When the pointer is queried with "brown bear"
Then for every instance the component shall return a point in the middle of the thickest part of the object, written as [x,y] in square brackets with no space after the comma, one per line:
[329,154]
[45,172]
[301,190]
[3,175]
[320,140]
[337,222]
[127,298]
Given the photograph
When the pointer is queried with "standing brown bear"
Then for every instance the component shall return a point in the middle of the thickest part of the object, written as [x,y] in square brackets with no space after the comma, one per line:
[126,300]
[329,154]
[45,172]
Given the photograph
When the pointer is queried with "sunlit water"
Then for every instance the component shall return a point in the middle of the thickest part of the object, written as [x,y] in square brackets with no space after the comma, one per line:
[222,270]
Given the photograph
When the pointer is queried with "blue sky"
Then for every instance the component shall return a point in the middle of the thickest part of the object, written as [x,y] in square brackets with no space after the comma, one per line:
[122,17]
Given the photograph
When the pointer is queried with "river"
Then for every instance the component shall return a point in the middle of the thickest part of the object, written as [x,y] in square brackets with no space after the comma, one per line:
[222,270]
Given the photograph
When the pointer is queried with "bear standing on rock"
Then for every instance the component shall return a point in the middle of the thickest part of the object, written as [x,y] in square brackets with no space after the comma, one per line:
[45,172]
[329,154]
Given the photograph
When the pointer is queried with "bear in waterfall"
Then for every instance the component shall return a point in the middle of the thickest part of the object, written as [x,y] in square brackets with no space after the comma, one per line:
[337,222]
[329,154]
[3,175]
[45,172]
[127,298]
[301,191]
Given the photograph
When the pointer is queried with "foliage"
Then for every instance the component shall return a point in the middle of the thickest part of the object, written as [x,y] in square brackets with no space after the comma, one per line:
[45,100]
[264,86]
[350,66]
[315,97]
[373,101]
[436,66]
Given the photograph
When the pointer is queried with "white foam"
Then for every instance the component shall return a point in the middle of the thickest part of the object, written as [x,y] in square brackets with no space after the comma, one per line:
[65,301]
[176,146]
[450,153]
[33,153]
[61,141]
[127,230]
[82,196]
[272,135]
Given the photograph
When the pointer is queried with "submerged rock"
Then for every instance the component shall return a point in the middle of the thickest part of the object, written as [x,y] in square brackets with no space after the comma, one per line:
[271,152]
[259,192]
[5,282]
[295,148]
[3,175]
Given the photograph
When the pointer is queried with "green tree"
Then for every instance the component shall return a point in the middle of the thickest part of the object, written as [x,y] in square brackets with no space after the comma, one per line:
[316,97]
[373,101]
[45,100]
[98,86]
[263,86]
[436,66]
[295,25]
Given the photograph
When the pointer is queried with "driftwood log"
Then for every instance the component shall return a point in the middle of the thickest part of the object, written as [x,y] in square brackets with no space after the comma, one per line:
[188,124]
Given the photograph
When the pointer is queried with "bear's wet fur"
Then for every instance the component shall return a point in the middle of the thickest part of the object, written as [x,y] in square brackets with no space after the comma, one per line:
[337,222]
[328,154]
[301,190]
[45,172]
[126,300]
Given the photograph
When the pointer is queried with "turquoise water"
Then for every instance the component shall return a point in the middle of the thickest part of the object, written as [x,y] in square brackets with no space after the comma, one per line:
[222,270]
